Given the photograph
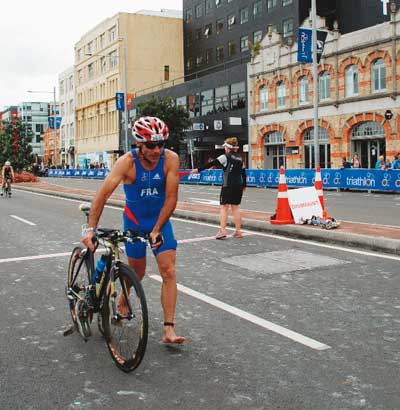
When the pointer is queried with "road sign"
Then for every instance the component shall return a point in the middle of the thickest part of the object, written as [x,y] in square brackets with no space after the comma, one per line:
[217,125]
[198,126]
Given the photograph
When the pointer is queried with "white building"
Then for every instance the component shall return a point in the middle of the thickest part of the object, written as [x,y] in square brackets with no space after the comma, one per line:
[67,112]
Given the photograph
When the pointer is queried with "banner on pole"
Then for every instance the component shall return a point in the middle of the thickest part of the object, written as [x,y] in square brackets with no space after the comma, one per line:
[129,100]
[119,101]
[304,49]
[58,122]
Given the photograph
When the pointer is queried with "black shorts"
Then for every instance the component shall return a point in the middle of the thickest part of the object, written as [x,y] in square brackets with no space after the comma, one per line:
[231,195]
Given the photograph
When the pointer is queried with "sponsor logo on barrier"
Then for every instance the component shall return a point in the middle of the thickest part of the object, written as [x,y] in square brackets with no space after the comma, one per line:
[250,179]
[297,180]
[210,178]
[338,177]
[367,181]
[195,177]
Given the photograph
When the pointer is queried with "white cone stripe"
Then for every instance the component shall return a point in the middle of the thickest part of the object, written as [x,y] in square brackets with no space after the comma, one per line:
[282,194]
[320,192]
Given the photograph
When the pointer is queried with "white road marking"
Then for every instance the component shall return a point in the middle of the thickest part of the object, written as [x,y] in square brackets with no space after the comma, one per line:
[272,236]
[297,337]
[205,201]
[31,258]
[22,220]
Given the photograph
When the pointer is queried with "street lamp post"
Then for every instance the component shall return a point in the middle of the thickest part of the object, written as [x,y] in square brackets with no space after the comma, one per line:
[315,82]
[54,117]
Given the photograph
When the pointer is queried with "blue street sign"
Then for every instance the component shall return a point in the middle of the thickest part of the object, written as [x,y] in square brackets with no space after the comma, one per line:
[58,122]
[119,101]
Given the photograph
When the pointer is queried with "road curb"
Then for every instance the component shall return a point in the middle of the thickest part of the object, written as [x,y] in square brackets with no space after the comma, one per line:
[314,233]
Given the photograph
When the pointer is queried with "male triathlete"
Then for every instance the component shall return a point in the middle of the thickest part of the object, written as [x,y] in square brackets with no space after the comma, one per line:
[7,175]
[151,179]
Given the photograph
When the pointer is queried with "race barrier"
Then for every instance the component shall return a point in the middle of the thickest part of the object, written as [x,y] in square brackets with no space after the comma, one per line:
[358,179]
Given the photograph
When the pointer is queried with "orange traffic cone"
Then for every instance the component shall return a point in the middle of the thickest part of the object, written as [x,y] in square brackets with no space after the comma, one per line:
[320,192]
[283,213]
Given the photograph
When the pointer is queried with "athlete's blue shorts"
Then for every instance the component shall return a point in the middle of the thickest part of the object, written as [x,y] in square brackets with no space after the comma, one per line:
[137,250]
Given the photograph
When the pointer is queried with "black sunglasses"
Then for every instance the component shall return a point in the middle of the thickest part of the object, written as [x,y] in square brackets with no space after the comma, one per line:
[152,145]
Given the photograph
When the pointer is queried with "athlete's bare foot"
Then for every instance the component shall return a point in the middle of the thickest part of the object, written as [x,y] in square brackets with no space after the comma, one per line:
[170,336]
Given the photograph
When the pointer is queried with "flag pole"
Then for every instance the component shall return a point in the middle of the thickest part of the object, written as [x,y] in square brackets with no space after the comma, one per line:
[315,81]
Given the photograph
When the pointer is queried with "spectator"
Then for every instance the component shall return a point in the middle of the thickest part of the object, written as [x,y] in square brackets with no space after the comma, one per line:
[388,165]
[396,162]
[345,163]
[356,162]
[380,164]
[233,186]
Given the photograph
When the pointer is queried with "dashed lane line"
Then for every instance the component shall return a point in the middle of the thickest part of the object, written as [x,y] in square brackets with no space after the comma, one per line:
[18,218]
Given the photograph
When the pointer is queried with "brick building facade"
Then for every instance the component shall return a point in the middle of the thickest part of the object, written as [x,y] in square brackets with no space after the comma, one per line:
[359,102]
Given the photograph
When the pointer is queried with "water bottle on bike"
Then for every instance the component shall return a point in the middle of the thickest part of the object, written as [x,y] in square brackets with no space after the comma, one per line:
[100,266]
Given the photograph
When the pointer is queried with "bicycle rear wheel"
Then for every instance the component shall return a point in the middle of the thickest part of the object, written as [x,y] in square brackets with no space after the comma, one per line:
[126,334]
[79,277]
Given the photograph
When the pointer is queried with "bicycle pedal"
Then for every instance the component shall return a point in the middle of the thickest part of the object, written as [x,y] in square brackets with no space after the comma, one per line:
[69,331]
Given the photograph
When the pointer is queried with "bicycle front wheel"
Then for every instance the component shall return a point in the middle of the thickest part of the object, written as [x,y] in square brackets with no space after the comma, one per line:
[125,319]
[79,276]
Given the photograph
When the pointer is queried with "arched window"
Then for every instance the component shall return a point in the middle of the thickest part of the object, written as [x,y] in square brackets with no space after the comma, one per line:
[324,86]
[263,98]
[351,78]
[280,94]
[323,144]
[303,90]
[274,154]
[379,75]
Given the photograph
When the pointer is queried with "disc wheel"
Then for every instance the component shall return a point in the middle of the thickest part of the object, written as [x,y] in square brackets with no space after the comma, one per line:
[79,275]
[126,334]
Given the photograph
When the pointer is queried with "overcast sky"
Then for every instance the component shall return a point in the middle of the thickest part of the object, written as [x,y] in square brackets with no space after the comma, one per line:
[37,40]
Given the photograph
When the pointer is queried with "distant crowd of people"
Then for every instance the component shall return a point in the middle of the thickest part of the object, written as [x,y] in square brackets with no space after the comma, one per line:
[381,163]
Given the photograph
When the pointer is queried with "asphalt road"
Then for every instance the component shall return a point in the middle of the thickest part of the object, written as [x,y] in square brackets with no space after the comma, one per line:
[375,208]
[337,347]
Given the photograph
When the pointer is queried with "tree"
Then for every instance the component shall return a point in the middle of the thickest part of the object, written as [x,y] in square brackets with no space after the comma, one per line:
[177,118]
[15,139]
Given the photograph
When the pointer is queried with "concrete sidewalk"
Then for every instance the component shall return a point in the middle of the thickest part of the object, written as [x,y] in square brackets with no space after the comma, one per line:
[368,236]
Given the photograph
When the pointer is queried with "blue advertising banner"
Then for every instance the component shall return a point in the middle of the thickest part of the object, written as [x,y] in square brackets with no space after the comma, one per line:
[119,101]
[356,179]
[304,43]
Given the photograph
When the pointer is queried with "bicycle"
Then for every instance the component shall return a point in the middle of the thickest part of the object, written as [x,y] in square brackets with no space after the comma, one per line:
[6,189]
[123,325]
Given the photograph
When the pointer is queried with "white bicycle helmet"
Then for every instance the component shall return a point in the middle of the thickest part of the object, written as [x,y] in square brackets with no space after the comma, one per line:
[150,129]
[7,163]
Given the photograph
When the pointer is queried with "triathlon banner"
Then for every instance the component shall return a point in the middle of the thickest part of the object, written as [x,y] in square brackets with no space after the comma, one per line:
[359,179]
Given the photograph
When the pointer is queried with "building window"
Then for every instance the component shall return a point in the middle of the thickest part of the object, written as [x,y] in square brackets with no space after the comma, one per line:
[181,102]
[287,2]
[91,70]
[231,48]
[351,81]
[198,34]
[220,26]
[271,4]
[209,56]
[103,65]
[194,105]
[220,54]
[244,15]
[280,95]
[263,98]
[257,9]
[231,21]
[257,36]
[189,39]
[102,40]
[323,146]
[207,102]
[189,15]
[113,59]
[238,96]
[218,3]
[199,11]
[112,34]
[324,86]
[287,27]
[208,30]
[303,90]
[222,98]
[379,75]
[199,61]
[244,43]
[61,87]
[189,63]
[208,6]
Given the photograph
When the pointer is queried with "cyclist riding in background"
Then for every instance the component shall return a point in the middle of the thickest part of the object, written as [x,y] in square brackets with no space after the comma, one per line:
[7,175]
[151,179]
